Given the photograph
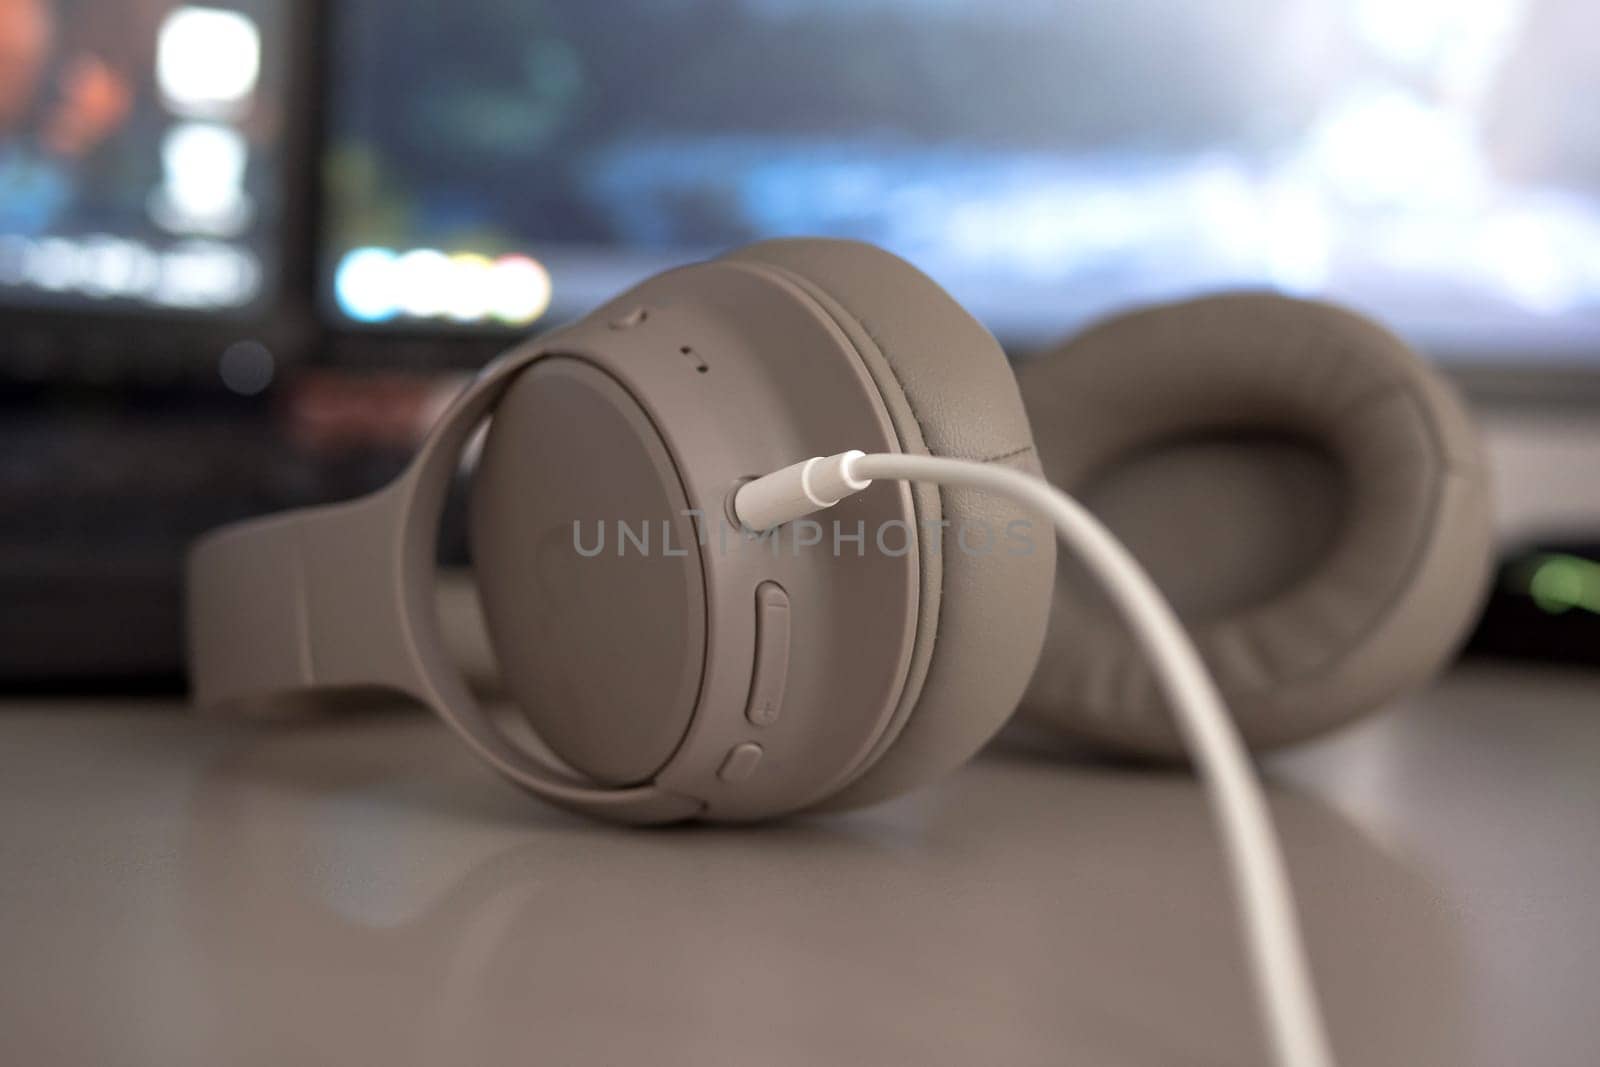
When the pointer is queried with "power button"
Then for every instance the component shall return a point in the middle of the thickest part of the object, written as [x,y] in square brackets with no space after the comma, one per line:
[741,764]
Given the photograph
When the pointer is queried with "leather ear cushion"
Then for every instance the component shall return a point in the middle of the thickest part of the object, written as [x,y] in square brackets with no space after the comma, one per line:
[1401,567]
[984,601]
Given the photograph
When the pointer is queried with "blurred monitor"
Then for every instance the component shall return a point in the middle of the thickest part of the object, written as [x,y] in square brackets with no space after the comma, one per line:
[141,157]
[495,162]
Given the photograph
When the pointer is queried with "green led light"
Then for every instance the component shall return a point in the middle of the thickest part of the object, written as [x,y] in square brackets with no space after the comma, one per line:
[1561,583]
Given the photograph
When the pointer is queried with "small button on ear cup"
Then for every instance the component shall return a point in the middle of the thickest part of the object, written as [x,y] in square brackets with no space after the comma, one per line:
[1308,491]
[770,674]
[986,585]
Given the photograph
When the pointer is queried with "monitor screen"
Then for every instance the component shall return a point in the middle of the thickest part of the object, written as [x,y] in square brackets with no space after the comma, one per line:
[1436,164]
[140,154]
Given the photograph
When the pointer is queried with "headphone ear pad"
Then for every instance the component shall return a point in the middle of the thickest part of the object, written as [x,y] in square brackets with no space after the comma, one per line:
[950,392]
[1310,494]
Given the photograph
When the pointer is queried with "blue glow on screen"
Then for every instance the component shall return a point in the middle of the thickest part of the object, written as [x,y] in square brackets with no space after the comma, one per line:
[1436,163]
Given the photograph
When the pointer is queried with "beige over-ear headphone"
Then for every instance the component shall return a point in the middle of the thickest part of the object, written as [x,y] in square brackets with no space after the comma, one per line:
[685,668]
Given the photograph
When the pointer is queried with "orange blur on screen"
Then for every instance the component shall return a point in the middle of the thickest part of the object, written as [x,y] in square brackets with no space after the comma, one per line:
[92,100]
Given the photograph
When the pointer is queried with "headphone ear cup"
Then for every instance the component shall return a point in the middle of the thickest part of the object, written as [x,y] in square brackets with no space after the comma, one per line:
[986,585]
[1310,494]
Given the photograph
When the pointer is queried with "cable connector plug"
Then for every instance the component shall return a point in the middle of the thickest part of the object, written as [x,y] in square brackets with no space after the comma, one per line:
[793,493]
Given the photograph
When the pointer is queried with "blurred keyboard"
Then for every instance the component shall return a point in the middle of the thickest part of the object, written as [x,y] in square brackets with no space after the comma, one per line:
[98,510]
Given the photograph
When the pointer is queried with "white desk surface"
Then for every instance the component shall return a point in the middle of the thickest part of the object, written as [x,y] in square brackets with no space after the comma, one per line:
[358,891]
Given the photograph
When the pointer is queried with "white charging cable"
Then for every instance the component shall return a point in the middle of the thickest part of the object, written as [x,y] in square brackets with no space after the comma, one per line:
[1284,990]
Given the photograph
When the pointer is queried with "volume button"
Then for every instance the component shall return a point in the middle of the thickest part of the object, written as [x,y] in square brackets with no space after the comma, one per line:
[771,671]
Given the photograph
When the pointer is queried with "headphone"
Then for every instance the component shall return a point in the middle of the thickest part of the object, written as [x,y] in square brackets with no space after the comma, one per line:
[684,644]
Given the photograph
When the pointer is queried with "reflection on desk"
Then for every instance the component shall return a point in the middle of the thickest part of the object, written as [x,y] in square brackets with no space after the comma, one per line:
[357,889]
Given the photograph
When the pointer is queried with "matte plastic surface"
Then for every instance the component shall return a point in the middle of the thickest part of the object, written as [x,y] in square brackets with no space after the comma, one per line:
[592,585]
[349,590]
[985,600]
[900,663]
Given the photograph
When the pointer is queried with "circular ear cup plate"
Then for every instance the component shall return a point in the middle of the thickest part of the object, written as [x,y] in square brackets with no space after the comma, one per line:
[654,409]
[985,598]
[595,556]
[1308,491]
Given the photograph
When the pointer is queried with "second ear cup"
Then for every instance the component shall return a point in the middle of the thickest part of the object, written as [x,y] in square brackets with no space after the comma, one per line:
[986,586]
[1307,491]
